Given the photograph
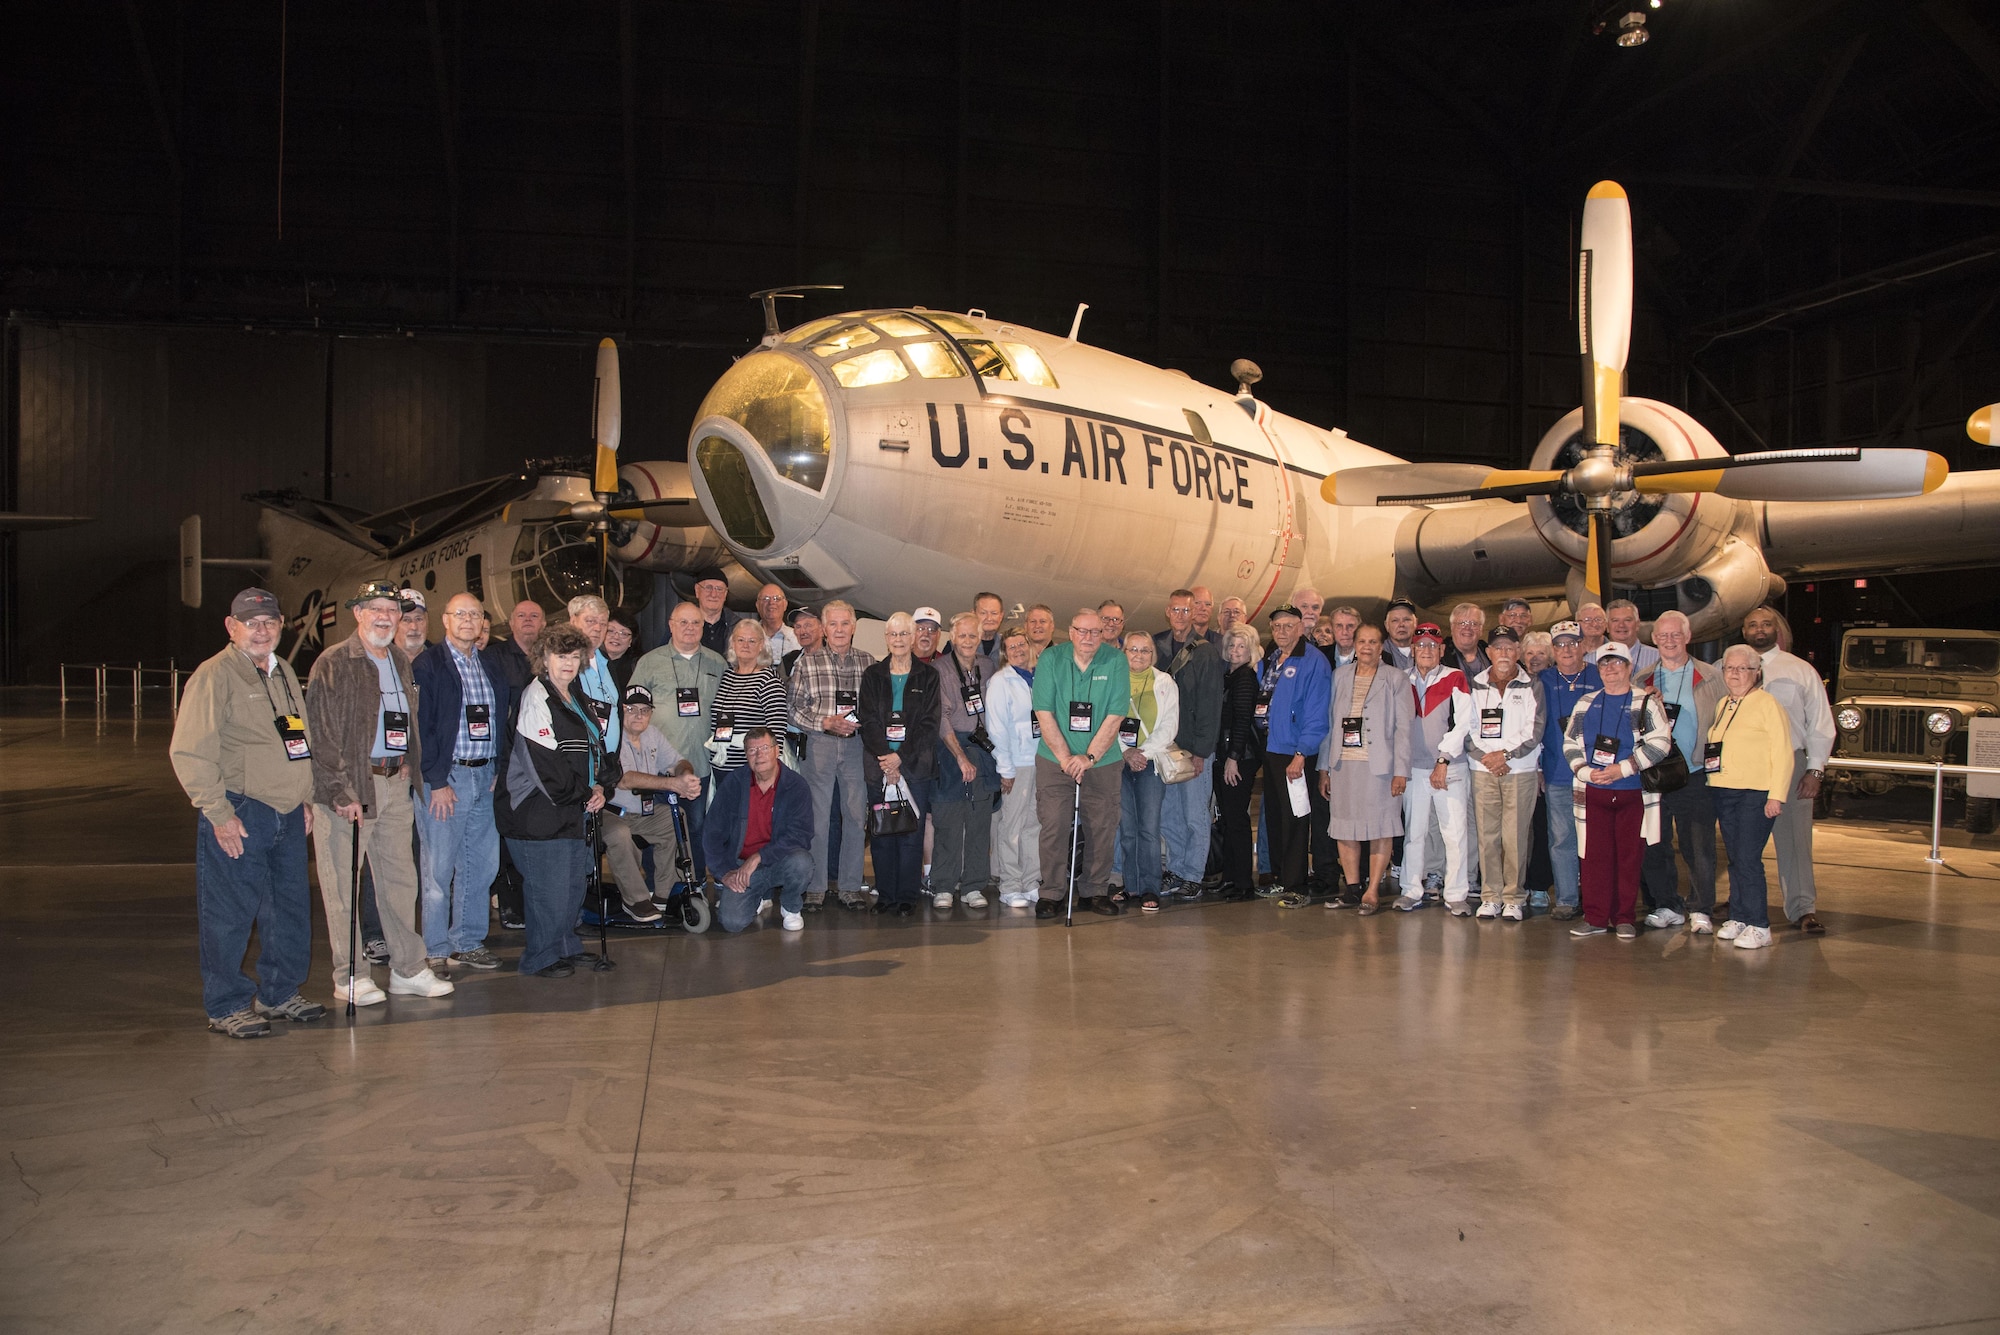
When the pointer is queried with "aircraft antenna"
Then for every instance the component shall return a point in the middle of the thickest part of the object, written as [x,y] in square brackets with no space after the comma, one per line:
[769,296]
[1076,325]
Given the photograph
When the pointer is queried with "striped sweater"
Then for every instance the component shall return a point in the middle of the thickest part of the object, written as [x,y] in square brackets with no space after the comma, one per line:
[749,700]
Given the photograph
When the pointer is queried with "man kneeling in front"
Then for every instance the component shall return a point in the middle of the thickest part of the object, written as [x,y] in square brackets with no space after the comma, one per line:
[758,837]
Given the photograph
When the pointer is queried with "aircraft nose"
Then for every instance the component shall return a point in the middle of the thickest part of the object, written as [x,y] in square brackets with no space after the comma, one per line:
[762,450]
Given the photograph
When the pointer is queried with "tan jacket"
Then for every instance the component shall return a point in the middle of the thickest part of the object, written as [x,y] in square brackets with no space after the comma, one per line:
[225,741]
[343,704]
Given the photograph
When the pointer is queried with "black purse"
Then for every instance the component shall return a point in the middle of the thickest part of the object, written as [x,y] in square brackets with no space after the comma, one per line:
[1671,774]
[893,816]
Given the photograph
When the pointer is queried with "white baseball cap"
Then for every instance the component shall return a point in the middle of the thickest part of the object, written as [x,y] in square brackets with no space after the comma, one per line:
[929,614]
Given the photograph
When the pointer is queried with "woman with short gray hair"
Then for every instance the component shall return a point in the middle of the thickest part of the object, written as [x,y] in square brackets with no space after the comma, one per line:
[1748,760]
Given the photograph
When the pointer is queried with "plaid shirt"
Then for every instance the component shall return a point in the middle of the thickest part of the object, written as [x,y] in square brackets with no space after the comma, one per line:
[478,691]
[815,678]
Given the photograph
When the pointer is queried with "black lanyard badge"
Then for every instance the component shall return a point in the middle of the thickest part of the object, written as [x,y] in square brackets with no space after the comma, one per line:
[725,726]
[1128,731]
[1079,715]
[646,802]
[1711,757]
[687,701]
[1673,714]
[479,722]
[897,729]
[1350,731]
[599,710]
[1490,723]
[1604,751]
[844,703]
[292,732]
[395,731]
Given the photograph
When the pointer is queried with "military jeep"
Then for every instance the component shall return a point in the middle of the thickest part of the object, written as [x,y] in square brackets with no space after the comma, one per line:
[1908,695]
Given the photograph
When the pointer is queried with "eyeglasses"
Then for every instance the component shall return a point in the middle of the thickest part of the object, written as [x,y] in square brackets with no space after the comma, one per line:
[463,615]
[1086,630]
[766,602]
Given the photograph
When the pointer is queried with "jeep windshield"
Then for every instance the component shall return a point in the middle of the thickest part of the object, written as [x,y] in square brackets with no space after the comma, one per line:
[1922,654]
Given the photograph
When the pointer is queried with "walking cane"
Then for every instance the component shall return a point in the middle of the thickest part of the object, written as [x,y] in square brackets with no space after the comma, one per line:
[353,912]
[592,880]
[1075,827]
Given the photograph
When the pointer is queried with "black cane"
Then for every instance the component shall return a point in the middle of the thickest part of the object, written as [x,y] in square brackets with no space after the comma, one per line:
[353,912]
[1075,827]
[594,881]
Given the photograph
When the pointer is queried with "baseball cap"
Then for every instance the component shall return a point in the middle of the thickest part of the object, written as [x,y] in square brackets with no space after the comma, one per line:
[702,577]
[1613,649]
[1502,635]
[1403,603]
[1431,631]
[793,617]
[1517,602]
[375,590]
[413,600]
[638,695]
[1287,610]
[255,603]
[929,614]
[1565,630]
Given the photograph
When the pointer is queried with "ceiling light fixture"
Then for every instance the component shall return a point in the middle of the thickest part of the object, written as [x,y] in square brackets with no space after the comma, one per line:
[1632,29]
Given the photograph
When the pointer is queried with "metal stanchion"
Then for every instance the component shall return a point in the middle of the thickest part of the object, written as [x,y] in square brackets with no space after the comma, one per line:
[1937,815]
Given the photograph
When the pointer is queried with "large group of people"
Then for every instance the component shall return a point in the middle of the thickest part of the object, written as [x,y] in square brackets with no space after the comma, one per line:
[1057,763]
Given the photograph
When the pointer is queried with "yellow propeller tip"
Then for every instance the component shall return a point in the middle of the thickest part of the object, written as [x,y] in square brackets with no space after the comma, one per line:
[607,343]
[1936,470]
[1606,190]
[1979,426]
[1327,488]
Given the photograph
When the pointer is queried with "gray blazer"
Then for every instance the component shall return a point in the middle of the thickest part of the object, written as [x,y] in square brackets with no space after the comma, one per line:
[1387,720]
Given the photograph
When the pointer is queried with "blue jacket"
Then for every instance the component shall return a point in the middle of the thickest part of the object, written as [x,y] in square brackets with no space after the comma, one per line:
[441,706]
[1561,701]
[729,815]
[1299,704]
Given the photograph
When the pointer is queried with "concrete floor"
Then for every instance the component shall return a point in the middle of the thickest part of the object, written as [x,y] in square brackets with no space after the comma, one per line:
[1227,1118]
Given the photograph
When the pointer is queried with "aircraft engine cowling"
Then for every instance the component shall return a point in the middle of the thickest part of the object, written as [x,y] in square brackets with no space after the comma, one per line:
[660,541]
[1705,545]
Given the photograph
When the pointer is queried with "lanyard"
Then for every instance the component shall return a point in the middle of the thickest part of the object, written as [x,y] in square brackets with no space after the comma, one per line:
[290,699]
[1734,704]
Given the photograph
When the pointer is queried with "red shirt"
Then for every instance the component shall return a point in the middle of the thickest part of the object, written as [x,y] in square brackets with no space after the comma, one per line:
[757,830]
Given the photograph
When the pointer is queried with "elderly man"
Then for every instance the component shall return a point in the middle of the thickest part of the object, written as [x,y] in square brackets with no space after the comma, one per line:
[1691,691]
[682,676]
[825,698]
[711,591]
[463,703]
[967,777]
[1298,682]
[1346,625]
[1621,617]
[1234,613]
[1504,744]
[1079,699]
[1400,625]
[1796,685]
[650,769]
[759,837]
[1440,790]
[1592,622]
[1310,603]
[1204,615]
[1517,615]
[1467,651]
[251,783]
[524,627]
[365,756]
[1566,681]
[991,611]
[1197,669]
[778,637]
[413,628]
[1041,627]
[1112,613]
[590,614]
[929,623]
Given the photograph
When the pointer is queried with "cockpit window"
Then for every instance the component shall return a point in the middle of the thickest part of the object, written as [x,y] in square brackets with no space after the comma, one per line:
[844,339]
[806,331]
[1196,425]
[734,491]
[933,360]
[987,360]
[1028,364]
[779,402]
[880,367]
[953,325]
[900,326]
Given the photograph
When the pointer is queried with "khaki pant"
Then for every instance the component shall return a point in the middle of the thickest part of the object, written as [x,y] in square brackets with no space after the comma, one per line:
[656,829]
[1055,804]
[1504,806]
[385,850]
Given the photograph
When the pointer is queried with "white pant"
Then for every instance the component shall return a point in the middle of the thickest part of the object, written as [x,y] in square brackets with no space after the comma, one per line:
[1451,811]
[1017,835]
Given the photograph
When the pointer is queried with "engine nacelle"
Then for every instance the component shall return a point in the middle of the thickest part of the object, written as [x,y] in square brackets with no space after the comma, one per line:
[658,542]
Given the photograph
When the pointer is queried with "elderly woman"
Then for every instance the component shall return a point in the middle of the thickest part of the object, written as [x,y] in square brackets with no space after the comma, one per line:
[552,777]
[622,650]
[1612,735]
[1144,737]
[900,713]
[750,695]
[1537,651]
[1239,750]
[1010,720]
[1364,765]
[1748,762]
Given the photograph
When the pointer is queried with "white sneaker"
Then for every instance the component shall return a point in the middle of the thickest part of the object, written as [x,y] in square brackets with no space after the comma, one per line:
[1753,938]
[1016,901]
[1488,908]
[424,984]
[1699,925]
[1730,931]
[366,993]
[975,899]
[794,922]
[1664,918]
[941,900]
[1513,913]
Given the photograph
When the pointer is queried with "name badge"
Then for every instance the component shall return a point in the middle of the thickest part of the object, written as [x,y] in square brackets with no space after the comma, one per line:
[896,730]
[725,726]
[1128,732]
[1489,724]
[845,703]
[1079,715]
[598,709]
[687,701]
[479,722]
[1673,715]
[646,802]
[1264,711]
[1711,757]
[1350,732]
[1604,751]
[1035,727]
[974,703]
[395,731]
[292,732]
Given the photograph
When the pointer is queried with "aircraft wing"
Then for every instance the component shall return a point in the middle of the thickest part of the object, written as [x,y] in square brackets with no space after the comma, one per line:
[1956,527]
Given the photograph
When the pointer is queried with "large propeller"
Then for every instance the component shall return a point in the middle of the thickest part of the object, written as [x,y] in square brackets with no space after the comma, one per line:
[1604,327]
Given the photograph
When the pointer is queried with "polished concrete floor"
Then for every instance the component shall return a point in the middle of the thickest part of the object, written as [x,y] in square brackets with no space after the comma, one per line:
[1224,1118]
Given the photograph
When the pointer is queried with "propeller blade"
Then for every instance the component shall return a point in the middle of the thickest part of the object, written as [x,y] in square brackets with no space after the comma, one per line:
[1979,426]
[683,513]
[1597,561]
[1433,484]
[1606,294]
[532,510]
[1801,475]
[607,418]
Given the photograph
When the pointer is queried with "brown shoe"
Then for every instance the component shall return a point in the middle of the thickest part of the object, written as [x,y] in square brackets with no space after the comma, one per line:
[438,965]
[1811,925]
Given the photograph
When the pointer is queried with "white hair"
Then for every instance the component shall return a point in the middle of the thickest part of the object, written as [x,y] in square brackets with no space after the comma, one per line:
[900,621]
[1673,614]
[1744,654]
[763,642]
[588,602]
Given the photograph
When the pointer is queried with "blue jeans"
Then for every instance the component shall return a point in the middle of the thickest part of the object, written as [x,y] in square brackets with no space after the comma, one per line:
[1140,796]
[267,888]
[1184,821]
[552,884]
[789,875]
[1557,803]
[1263,844]
[461,858]
[1745,829]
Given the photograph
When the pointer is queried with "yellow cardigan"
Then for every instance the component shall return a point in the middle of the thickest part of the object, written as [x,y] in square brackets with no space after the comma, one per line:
[1756,744]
